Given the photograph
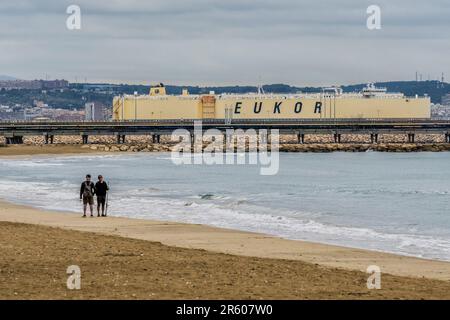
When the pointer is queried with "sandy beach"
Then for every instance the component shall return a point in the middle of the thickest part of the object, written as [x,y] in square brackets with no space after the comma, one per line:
[124,258]
[233,264]
[51,149]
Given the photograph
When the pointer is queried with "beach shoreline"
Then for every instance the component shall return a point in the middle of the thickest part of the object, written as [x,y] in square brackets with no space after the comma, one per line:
[314,251]
[122,258]
[21,151]
[35,261]
[228,241]
[26,150]
[294,269]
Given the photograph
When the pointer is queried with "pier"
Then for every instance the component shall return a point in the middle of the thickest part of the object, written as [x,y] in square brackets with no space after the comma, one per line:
[14,132]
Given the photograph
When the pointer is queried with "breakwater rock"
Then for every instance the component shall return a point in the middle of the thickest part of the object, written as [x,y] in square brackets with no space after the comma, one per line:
[322,147]
[288,143]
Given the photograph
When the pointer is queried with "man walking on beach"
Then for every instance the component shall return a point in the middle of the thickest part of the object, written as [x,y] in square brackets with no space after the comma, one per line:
[101,189]
[87,192]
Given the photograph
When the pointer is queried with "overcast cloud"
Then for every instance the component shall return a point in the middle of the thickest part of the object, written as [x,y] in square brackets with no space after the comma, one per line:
[225,42]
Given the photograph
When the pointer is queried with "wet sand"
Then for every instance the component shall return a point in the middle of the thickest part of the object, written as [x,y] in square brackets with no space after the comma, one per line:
[30,150]
[131,258]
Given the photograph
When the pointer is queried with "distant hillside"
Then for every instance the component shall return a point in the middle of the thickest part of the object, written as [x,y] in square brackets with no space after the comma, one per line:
[434,89]
[268,88]
[79,93]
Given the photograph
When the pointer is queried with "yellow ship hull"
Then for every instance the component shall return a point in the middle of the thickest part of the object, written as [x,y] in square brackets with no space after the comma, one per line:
[317,106]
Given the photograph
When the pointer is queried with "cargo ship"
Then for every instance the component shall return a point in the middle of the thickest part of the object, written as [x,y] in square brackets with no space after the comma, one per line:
[331,103]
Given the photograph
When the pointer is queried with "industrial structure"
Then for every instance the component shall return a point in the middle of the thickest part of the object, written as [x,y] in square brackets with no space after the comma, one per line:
[94,111]
[373,111]
[331,103]
[15,131]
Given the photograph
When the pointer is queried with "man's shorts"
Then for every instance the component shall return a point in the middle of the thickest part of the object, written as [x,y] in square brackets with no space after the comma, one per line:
[101,200]
[88,200]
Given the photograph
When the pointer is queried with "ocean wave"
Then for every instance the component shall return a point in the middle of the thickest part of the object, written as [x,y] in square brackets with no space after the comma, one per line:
[30,164]
[290,226]
[235,215]
[277,205]
[373,191]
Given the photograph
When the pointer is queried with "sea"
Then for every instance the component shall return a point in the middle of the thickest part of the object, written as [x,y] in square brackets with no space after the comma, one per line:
[390,202]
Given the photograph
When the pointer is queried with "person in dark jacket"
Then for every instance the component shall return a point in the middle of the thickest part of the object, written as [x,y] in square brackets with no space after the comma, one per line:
[101,189]
[87,192]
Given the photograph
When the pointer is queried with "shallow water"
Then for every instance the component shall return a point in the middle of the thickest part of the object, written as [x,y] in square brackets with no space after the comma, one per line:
[384,201]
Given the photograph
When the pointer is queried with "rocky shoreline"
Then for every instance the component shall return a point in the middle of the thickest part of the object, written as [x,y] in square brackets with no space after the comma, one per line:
[348,147]
[288,143]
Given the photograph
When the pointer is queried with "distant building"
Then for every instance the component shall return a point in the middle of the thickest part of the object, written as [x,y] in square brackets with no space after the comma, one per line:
[33,84]
[20,84]
[7,113]
[54,84]
[440,111]
[446,100]
[39,104]
[94,111]
[89,111]
[70,116]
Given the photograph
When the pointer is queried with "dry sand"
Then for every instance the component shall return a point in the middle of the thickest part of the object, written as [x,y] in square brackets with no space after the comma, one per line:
[170,265]
[34,260]
[194,236]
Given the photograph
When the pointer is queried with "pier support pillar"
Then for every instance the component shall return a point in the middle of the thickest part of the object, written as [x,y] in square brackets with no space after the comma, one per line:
[301,138]
[49,139]
[411,137]
[120,138]
[193,142]
[374,137]
[85,139]
[229,140]
[337,138]
[263,138]
[156,138]
[14,140]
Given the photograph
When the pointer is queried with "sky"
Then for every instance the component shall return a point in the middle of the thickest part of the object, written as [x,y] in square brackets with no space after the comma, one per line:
[225,42]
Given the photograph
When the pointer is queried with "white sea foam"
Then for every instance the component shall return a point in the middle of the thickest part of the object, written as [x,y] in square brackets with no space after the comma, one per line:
[287,226]
[280,207]
[236,215]
[30,164]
